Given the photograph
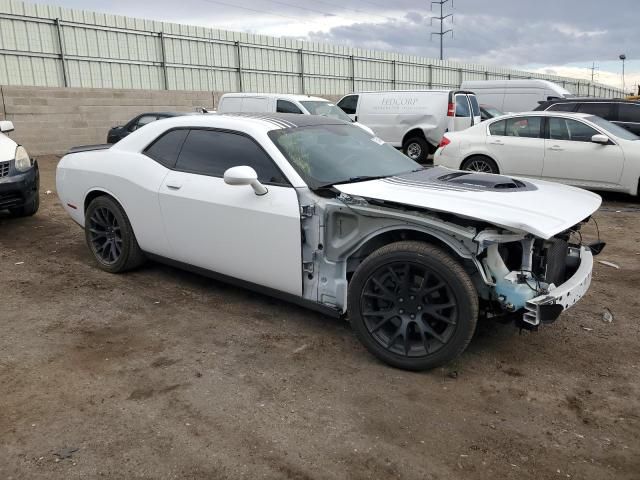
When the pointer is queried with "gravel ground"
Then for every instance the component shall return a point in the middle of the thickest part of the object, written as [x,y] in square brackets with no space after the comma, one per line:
[164,374]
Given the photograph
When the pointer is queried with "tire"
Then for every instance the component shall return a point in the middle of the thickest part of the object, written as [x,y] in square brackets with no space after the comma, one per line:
[110,237]
[417,149]
[31,208]
[480,163]
[413,333]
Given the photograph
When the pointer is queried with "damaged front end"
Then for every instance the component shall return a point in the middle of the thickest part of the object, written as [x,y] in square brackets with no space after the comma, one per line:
[534,277]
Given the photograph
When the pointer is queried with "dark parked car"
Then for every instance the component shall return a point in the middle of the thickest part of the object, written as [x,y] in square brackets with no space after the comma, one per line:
[118,133]
[487,112]
[19,177]
[625,113]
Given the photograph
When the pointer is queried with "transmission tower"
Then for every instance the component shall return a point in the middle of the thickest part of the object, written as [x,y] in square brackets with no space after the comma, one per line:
[441,19]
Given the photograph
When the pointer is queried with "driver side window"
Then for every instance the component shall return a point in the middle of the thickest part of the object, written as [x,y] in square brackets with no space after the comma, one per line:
[570,130]
[212,152]
[283,106]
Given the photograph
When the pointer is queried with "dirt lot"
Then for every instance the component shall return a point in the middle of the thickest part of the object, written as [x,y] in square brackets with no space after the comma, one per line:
[164,374]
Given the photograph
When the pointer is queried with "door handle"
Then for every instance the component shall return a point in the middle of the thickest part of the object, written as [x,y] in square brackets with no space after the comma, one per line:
[173,186]
[497,142]
[556,147]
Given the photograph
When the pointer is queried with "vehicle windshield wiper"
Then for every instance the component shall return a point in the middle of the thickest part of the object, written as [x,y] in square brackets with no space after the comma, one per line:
[362,178]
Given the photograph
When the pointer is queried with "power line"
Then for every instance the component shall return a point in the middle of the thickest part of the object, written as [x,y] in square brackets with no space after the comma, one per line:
[363,12]
[441,19]
[254,10]
[301,8]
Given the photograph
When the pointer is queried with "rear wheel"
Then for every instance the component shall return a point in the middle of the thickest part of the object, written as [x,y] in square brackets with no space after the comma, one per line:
[412,305]
[479,163]
[110,237]
[417,149]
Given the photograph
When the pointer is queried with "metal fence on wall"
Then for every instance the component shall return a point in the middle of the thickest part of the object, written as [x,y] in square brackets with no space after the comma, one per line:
[52,46]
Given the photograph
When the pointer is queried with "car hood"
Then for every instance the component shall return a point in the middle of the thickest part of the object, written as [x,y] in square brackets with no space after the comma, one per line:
[541,208]
[7,148]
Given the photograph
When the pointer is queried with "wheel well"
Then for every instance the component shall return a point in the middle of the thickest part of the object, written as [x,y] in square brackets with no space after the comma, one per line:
[417,132]
[479,155]
[395,236]
[93,195]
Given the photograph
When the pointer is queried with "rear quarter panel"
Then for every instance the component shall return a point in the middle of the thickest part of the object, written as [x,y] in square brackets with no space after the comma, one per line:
[133,179]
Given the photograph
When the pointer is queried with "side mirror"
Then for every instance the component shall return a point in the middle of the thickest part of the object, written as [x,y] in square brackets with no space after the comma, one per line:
[244,175]
[6,126]
[599,138]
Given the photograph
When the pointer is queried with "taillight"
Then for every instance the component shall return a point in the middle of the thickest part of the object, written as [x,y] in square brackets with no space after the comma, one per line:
[451,111]
[444,142]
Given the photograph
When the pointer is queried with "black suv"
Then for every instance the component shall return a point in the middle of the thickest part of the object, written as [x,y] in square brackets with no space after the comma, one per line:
[118,133]
[19,177]
[625,113]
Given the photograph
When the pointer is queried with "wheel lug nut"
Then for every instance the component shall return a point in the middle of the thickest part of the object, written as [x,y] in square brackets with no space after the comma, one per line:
[412,316]
[419,307]
[412,297]
[401,300]
[401,311]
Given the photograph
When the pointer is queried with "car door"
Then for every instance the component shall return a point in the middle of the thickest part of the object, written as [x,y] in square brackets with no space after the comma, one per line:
[463,117]
[571,156]
[517,145]
[229,229]
[629,117]
[349,106]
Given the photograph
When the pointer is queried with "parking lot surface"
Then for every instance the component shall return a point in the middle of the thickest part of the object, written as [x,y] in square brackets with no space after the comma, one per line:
[165,374]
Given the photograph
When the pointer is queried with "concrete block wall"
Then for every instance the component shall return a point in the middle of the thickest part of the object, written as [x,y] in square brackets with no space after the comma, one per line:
[51,120]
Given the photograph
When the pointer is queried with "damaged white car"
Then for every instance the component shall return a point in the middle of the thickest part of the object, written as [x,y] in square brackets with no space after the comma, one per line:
[321,213]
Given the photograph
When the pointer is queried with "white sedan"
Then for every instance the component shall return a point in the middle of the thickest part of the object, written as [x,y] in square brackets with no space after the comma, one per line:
[572,148]
[319,212]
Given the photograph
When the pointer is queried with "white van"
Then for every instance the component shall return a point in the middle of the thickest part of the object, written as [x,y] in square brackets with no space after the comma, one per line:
[515,95]
[282,103]
[414,120]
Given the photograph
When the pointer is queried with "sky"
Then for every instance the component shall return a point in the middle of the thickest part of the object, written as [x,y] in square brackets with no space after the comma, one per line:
[561,37]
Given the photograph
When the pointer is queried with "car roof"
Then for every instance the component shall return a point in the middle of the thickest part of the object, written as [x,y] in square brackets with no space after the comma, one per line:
[285,120]
[590,100]
[547,113]
[283,96]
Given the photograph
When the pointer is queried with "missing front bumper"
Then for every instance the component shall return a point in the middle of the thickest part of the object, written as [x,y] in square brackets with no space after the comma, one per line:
[548,307]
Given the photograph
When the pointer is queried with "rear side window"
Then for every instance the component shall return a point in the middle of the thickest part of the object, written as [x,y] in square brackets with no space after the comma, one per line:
[562,107]
[527,127]
[142,121]
[475,108]
[211,152]
[498,128]
[166,148]
[284,106]
[603,110]
[572,130]
[348,104]
[629,112]
[462,106]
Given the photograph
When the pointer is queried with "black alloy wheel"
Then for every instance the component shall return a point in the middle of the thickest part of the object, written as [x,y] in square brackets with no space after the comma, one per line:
[110,236]
[413,305]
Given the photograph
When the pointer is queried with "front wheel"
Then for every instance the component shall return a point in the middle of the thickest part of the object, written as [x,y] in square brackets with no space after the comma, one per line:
[412,305]
[417,149]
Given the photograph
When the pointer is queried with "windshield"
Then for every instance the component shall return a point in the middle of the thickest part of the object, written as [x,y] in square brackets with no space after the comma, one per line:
[324,155]
[325,109]
[613,129]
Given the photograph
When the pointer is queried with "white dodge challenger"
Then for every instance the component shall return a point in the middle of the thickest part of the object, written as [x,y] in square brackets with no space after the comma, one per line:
[321,213]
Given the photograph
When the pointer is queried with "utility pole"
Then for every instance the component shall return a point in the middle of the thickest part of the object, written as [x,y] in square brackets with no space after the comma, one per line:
[593,70]
[623,57]
[441,19]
